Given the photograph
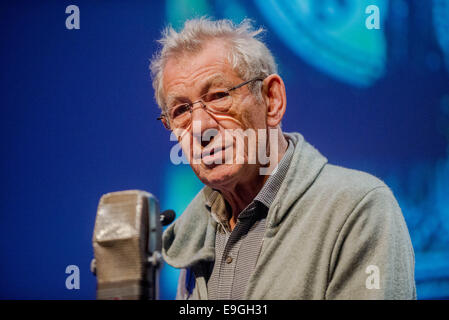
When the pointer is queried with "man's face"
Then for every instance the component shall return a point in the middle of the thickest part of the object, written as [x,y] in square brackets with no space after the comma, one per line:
[188,77]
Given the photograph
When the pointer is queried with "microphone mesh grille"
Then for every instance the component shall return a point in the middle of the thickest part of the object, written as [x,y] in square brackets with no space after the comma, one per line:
[119,249]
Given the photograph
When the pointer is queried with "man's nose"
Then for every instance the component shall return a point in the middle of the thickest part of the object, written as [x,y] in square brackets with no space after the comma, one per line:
[206,126]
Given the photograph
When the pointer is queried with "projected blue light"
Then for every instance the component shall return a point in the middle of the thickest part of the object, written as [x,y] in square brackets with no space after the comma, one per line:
[441,25]
[423,194]
[331,36]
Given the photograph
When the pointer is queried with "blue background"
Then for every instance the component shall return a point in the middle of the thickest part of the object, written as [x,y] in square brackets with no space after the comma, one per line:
[78,119]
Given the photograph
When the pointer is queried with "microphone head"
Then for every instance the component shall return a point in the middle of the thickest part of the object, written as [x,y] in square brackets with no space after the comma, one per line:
[167,217]
[121,243]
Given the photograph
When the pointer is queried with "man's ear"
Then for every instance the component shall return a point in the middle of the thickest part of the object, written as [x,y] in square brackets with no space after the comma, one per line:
[275,98]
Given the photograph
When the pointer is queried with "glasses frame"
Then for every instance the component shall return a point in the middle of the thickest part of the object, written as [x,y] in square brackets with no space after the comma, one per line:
[164,118]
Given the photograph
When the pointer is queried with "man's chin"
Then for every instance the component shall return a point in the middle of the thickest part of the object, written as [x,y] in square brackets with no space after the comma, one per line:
[216,175]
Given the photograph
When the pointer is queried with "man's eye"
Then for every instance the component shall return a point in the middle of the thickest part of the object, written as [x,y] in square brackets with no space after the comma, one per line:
[180,110]
[214,96]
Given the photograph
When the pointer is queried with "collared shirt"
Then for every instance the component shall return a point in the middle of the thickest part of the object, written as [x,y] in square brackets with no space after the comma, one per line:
[236,251]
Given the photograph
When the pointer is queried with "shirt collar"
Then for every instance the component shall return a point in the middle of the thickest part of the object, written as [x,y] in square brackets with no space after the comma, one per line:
[271,187]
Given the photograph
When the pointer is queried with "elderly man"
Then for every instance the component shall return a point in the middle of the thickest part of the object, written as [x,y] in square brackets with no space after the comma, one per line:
[284,226]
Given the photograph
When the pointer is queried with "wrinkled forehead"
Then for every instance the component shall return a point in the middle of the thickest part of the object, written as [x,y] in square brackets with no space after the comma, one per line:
[208,67]
[206,84]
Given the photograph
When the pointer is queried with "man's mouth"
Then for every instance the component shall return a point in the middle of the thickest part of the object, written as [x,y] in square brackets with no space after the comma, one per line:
[214,155]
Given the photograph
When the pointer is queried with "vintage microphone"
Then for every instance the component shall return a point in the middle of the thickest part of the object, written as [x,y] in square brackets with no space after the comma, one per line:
[127,244]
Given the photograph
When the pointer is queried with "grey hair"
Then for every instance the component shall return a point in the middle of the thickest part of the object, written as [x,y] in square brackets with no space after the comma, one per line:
[248,55]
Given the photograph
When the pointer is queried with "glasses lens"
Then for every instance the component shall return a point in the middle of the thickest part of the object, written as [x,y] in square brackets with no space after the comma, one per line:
[179,111]
[220,101]
[181,115]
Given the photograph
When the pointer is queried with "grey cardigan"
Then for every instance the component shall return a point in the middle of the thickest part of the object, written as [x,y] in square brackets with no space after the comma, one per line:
[332,233]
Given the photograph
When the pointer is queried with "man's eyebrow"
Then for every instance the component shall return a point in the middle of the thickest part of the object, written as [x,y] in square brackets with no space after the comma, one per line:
[216,80]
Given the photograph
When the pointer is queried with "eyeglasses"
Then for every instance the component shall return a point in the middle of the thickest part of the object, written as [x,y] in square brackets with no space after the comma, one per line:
[180,116]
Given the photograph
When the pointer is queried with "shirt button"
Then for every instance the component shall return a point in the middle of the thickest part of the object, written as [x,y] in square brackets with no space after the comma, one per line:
[228,259]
